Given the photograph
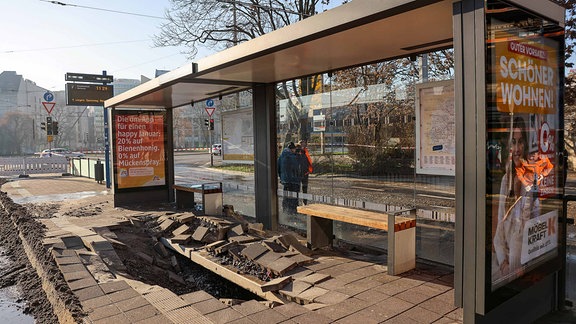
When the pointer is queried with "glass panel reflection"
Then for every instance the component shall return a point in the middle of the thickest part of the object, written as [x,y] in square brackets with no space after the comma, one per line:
[360,130]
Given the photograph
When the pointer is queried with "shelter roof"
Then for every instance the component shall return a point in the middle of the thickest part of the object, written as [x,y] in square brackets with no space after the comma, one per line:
[352,34]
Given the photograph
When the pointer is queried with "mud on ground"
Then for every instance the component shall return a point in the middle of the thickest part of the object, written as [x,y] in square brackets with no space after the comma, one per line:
[136,247]
[15,219]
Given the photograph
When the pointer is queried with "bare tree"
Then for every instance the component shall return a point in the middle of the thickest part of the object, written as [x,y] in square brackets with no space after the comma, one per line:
[68,119]
[182,125]
[219,24]
[570,114]
[16,133]
[570,29]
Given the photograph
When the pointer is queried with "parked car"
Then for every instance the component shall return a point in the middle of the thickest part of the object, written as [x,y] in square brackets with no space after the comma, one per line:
[217,149]
[61,152]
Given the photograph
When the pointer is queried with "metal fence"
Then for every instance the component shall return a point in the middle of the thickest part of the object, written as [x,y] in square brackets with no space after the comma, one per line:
[23,166]
[85,167]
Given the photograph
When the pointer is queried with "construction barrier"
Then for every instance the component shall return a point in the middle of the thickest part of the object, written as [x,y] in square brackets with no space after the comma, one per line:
[24,166]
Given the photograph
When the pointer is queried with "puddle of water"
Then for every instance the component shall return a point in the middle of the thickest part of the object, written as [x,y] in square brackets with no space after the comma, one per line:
[11,311]
[59,197]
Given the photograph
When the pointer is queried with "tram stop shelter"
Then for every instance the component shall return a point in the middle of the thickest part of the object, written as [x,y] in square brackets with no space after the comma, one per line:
[508,60]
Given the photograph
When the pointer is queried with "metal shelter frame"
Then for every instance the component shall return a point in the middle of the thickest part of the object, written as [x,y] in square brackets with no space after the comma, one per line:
[354,34]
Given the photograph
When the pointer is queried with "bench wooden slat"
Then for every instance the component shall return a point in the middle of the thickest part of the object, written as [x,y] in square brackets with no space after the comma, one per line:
[361,217]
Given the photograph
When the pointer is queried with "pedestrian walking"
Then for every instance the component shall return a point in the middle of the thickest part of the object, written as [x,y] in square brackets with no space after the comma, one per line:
[289,174]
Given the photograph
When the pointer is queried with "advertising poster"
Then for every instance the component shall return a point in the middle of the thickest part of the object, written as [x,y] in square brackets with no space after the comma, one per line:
[139,150]
[238,136]
[435,138]
[522,161]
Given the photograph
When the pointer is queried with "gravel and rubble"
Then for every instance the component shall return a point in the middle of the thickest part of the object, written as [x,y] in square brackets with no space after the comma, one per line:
[136,245]
[239,245]
[17,223]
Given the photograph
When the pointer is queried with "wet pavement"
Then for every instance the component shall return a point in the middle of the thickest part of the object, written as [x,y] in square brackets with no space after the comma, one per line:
[11,304]
[11,307]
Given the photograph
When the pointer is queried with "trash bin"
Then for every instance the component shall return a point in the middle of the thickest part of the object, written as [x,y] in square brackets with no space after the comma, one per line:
[211,197]
[99,171]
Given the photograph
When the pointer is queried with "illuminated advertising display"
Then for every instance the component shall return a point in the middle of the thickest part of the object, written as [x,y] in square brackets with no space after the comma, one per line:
[523,116]
[139,158]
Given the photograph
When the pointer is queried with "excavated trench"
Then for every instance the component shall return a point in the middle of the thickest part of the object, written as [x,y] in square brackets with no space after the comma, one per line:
[43,294]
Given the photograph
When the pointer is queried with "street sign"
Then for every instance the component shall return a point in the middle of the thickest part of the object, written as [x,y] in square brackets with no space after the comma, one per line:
[48,106]
[84,94]
[82,77]
[210,111]
[210,107]
[48,96]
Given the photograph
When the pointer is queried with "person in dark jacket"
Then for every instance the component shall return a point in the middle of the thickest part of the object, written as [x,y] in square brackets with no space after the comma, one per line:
[289,173]
[306,166]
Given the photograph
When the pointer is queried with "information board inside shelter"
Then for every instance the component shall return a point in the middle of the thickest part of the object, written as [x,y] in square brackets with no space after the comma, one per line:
[436,140]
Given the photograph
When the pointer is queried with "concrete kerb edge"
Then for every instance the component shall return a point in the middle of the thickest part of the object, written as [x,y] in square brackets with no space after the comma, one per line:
[59,306]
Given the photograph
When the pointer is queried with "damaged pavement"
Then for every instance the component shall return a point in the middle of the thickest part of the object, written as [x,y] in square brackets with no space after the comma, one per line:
[120,266]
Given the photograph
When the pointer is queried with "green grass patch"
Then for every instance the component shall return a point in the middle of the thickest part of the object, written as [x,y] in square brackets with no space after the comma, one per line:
[249,168]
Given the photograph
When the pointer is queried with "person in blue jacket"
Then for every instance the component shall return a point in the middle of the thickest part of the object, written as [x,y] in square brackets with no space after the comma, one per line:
[289,173]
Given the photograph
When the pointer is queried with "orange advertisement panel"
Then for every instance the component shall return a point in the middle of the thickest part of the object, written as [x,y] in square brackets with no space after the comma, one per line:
[524,141]
[139,150]
[526,77]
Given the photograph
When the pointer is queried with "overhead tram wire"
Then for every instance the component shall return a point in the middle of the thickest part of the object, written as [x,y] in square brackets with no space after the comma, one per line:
[73,46]
[102,9]
[147,62]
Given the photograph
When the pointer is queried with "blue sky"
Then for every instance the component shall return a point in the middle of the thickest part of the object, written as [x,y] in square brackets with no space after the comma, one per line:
[42,41]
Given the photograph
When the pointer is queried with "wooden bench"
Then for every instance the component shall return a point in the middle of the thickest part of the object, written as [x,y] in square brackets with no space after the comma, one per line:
[401,235]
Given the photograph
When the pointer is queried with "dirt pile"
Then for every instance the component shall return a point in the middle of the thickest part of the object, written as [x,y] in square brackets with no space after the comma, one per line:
[136,245]
[15,219]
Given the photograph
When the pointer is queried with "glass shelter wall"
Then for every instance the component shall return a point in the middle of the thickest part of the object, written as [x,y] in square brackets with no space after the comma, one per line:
[379,137]
[232,166]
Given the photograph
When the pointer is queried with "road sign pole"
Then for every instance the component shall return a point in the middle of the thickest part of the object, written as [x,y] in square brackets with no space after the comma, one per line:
[211,148]
[108,78]
[210,110]
[106,148]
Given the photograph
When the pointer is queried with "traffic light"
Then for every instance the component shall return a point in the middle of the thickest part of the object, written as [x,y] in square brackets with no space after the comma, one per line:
[55,128]
[49,125]
[43,126]
[211,126]
[207,123]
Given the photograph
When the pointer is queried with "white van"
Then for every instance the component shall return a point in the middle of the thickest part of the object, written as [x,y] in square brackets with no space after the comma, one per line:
[217,149]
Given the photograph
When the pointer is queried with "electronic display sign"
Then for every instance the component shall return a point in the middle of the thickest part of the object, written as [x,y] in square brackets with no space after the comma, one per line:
[81,94]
